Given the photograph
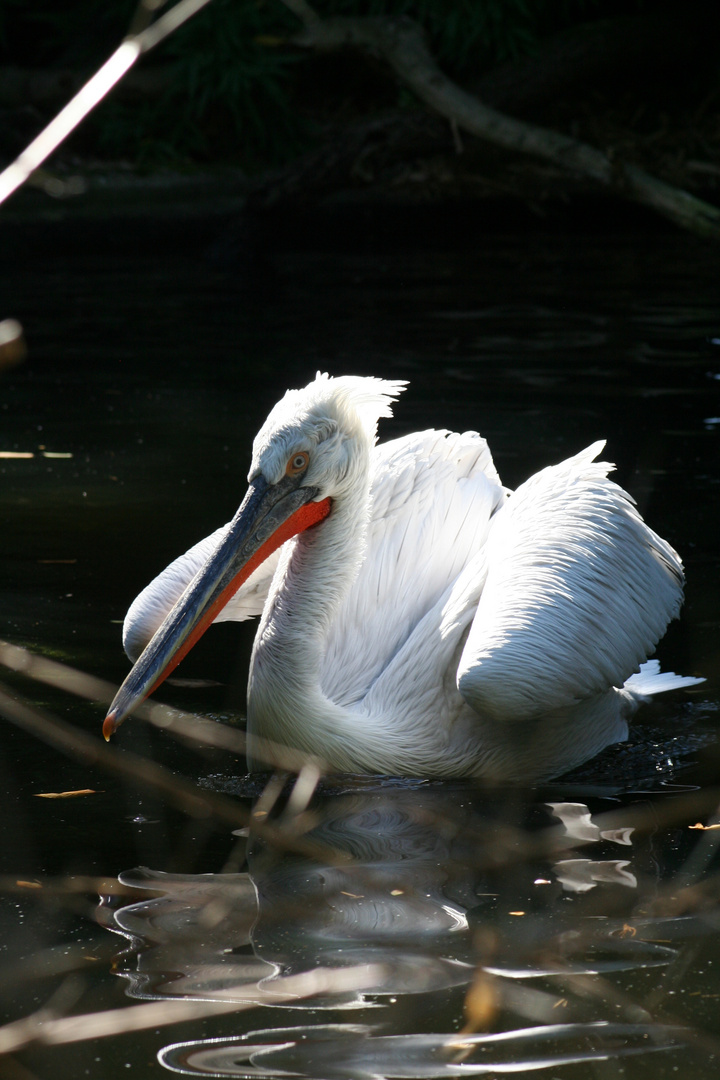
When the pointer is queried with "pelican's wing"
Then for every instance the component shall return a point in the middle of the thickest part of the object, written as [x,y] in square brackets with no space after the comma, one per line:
[433,494]
[149,609]
[578,592]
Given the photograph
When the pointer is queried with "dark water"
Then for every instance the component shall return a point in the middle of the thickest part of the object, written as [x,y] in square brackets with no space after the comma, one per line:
[152,361]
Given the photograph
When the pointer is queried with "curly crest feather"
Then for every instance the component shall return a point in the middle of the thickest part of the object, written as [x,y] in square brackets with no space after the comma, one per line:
[328,413]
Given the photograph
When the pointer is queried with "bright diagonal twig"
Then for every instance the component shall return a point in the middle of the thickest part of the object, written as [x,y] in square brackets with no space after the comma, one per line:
[177,723]
[177,791]
[92,93]
[50,1030]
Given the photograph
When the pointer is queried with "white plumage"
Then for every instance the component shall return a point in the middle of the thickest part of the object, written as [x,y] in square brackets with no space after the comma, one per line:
[433,623]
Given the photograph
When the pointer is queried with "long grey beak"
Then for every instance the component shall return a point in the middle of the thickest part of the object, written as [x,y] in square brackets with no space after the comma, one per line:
[269,515]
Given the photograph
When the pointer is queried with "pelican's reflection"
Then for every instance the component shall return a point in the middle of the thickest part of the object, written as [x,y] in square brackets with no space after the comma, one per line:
[431,884]
[581,875]
[429,866]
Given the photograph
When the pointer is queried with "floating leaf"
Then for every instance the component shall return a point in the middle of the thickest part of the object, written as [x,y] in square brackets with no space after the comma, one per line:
[64,794]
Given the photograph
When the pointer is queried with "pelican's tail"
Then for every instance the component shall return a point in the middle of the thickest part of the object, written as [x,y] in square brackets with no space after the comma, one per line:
[650,680]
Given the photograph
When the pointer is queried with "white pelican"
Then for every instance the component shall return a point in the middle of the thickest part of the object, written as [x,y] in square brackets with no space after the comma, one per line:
[417,618]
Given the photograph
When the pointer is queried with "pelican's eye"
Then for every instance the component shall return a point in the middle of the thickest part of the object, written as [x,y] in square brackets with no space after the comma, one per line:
[297,464]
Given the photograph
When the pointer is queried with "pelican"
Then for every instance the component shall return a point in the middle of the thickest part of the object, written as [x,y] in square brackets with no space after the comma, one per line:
[417,618]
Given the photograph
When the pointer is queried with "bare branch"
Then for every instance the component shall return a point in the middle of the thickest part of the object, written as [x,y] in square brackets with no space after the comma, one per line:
[93,91]
[177,791]
[44,1028]
[401,44]
[305,13]
[182,725]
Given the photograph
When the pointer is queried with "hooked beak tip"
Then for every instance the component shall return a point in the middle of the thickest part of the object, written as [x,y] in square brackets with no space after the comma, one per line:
[109,726]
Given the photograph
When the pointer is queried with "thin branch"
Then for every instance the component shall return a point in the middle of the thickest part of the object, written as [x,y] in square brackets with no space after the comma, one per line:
[89,95]
[176,790]
[304,12]
[48,1030]
[181,725]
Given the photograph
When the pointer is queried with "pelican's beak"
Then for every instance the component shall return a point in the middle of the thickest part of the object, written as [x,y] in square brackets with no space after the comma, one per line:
[270,514]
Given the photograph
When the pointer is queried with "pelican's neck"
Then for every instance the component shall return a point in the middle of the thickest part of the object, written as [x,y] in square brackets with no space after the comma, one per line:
[286,703]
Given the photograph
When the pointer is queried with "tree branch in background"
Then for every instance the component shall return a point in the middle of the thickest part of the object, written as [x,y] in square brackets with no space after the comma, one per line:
[400,43]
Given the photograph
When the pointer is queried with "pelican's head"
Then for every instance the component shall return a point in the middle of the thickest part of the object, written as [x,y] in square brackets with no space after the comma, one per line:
[312,448]
[323,432]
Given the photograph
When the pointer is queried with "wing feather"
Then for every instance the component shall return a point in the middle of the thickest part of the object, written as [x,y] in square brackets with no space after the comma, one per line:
[433,494]
[149,608]
[578,592]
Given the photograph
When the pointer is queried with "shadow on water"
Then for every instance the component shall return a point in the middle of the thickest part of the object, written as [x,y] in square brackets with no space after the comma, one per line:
[450,930]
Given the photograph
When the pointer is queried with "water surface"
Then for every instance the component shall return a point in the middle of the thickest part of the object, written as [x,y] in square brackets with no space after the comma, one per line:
[152,362]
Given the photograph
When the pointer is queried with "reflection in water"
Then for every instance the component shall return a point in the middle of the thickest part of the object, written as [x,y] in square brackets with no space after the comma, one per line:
[581,875]
[441,892]
[337,1052]
[194,939]
[579,824]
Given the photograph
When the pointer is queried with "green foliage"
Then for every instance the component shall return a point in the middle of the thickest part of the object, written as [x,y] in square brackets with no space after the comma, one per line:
[232,76]
[463,32]
[228,72]
[228,91]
